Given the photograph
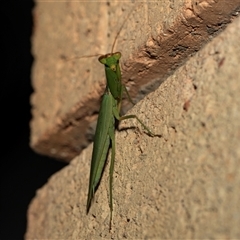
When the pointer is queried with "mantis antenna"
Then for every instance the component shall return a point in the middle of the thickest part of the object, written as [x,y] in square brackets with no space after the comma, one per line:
[120,29]
[114,42]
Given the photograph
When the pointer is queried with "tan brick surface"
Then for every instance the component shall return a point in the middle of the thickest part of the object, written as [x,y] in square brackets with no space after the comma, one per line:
[157,38]
[182,185]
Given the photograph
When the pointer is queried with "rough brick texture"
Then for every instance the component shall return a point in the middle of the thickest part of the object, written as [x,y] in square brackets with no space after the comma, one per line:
[182,185]
[156,39]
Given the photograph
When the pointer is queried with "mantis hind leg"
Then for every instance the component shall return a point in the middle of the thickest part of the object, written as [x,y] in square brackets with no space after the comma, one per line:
[111,169]
[117,116]
[143,125]
[132,116]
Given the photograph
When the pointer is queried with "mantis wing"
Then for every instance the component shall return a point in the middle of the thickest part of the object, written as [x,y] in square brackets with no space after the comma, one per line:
[100,145]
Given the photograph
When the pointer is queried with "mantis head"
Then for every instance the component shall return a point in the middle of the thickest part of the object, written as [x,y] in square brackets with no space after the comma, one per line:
[110,60]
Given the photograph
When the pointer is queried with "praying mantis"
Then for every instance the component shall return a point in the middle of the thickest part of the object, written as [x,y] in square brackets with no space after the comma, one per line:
[109,114]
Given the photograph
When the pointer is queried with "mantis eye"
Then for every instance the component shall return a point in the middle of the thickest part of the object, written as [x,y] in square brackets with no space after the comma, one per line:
[117,55]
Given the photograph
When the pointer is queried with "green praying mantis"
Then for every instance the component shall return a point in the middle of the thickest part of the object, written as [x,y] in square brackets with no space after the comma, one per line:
[109,114]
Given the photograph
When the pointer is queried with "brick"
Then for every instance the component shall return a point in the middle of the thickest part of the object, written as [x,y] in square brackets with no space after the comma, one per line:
[155,40]
[183,184]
